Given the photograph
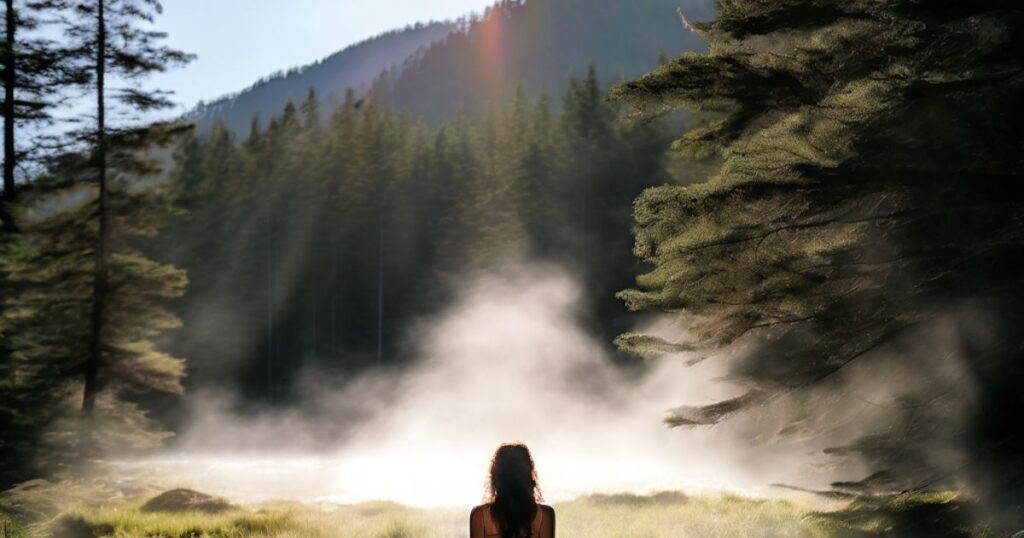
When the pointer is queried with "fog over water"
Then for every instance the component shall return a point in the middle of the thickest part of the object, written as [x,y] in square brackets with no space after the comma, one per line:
[508,361]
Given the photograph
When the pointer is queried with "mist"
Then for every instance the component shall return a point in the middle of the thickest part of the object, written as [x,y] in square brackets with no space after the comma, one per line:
[507,361]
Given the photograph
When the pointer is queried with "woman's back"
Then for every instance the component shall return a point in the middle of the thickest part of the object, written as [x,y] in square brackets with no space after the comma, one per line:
[483,525]
[513,500]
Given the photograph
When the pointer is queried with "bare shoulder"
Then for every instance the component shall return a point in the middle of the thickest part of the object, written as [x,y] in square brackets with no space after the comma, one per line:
[478,511]
[547,510]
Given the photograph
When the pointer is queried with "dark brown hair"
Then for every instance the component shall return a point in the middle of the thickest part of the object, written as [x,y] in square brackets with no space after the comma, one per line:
[512,490]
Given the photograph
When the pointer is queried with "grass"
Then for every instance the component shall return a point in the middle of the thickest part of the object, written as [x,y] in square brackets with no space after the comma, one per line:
[678,516]
[76,511]
[8,528]
[283,520]
[620,516]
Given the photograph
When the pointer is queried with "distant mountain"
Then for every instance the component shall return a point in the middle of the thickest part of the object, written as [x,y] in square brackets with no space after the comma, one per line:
[537,45]
[436,70]
[354,67]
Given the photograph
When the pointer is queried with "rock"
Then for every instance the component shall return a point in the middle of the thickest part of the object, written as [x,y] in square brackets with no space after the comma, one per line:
[71,526]
[187,500]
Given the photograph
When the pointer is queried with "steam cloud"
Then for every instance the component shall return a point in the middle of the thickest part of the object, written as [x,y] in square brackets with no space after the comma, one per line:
[508,361]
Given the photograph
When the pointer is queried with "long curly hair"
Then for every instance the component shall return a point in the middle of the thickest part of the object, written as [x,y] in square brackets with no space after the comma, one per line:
[512,490]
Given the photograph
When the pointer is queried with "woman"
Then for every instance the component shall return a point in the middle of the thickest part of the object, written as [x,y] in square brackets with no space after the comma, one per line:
[513,509]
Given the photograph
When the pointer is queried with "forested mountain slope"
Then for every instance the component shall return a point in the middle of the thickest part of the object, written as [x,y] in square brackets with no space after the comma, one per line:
[537,44]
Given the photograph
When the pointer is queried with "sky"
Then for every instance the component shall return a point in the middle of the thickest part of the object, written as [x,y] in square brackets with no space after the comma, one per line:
[239,41]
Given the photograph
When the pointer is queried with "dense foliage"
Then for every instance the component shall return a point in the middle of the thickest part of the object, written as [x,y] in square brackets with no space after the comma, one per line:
[868,182]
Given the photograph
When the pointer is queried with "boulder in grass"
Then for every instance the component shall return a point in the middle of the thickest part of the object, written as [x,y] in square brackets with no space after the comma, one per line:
[75,526]
[187,500]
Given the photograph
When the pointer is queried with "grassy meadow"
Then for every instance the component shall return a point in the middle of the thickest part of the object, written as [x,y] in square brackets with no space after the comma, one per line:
[91,510]
[620,516]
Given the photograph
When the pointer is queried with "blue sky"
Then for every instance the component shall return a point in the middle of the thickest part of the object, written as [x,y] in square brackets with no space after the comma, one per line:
[239,41]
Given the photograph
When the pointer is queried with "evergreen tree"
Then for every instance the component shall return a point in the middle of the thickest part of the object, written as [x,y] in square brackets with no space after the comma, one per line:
[34,70]
[127,287]
[600,171]
[494,204]
[208,184]
[42,313]
[587,125]
[539,161]
[867,184]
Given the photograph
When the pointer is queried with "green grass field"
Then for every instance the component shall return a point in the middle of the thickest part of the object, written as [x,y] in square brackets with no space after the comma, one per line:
[620,516]
[80,510]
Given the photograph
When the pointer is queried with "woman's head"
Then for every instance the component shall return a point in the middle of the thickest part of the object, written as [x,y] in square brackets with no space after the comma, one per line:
[512,489]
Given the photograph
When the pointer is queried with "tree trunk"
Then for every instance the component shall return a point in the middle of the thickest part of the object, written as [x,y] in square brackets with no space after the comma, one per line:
[100,284]
[380,288]
[270,301]
[9,82]
[9,148]
[334,299]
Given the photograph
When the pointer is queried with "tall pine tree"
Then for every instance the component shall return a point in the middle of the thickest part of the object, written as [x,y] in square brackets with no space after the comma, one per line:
[127,288]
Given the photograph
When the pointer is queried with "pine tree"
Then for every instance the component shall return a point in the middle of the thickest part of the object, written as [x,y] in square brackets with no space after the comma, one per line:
[868,181]
[494,204]
[34,71]
[41,333]
[127,287]
[458,164]
[587,125]
[539,162]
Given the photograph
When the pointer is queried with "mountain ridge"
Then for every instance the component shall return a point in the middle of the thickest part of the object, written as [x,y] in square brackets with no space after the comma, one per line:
[440,69]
